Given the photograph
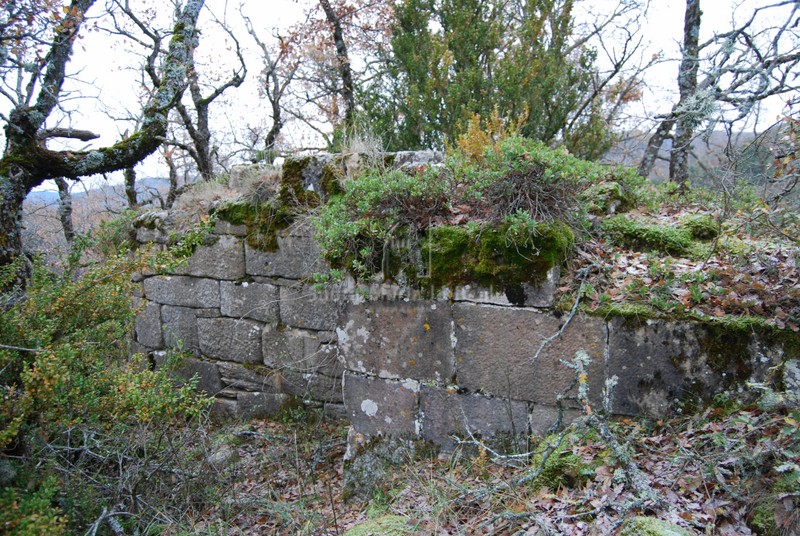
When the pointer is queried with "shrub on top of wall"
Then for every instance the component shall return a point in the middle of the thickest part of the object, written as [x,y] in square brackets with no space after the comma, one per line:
[521,197]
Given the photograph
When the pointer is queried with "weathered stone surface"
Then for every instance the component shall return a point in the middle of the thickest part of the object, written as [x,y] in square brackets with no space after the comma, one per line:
[207,373]
[230,339]
[310,169]
[148,326]
[183,291]
[398,340]
[260,405]
[541,419]
[258,301]
[298,257]
[223,409]
[416,158]
[377,406]
[179,325]
[657,363]
[247,378]
[525,295]
[222,227]
[496,345]
[304,307]
[300,351]
[310,386]
[445,414]
[144,235]
[223,260]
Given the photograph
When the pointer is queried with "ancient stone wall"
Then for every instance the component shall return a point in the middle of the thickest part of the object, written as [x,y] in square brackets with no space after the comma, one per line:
[467,361]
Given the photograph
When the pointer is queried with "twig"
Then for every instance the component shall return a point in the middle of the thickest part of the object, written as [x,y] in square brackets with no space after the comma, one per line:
[20,349]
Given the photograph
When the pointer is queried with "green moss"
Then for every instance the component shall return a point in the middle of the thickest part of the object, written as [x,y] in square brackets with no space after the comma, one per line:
[292,192]
[263,222]
[492,257]
[562,468]
[606,197]
[390,525]
[651,526]
[648,237]
[631,311]
[331,177]
[702,226]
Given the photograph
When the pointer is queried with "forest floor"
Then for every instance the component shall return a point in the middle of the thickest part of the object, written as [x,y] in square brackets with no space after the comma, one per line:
[731,471]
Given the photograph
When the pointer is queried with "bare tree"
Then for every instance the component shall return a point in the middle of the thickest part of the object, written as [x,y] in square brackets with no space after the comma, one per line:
[342,60]
[194,115]
[725,78]
[27,162]
[277,74]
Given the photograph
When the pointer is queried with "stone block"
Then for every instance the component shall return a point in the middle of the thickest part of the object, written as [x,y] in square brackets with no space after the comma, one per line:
[207,373]
[224,259]
[300,351]
[257,301]
[223,409]
[495,349]
[156,236]
[302,306]
[446,414]
[179,326]
[298,257]
[222,227]
[656,364]
[525,295]
[310,386]
[148,326]
[398,340]
[247,378]
[376,406]
[183,291]
[541,419]
[230,339]
[260,405]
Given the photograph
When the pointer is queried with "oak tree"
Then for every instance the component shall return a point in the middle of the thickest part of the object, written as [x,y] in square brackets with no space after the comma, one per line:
[27,160]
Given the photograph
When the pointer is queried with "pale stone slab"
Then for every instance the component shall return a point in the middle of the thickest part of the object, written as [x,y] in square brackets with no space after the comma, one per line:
[398,340]
[258,301]
[446,414]
[297,257]
[222,260]
[182,290]
[148,326]
[381,407]
[230,339]
[305,307]
[495,349]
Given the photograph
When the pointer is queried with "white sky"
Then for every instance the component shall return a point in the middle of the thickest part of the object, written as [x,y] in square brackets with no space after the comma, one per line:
[109,73]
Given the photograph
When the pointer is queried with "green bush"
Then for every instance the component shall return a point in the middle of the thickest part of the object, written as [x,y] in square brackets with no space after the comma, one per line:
[65,373]
[520,187]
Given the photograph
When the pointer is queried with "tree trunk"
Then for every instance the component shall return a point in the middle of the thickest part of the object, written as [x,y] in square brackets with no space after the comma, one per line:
[130,187]
[26,162]
[654,145]
[687,84]
[65,210]
[344,62]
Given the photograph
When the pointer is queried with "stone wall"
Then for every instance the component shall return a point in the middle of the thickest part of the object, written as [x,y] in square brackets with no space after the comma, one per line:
[466,362]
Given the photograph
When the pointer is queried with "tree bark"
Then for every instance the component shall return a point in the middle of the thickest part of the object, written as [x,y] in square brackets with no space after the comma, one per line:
[345,72]
[687,85]
[130,186]
[26,162]
[65,210]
